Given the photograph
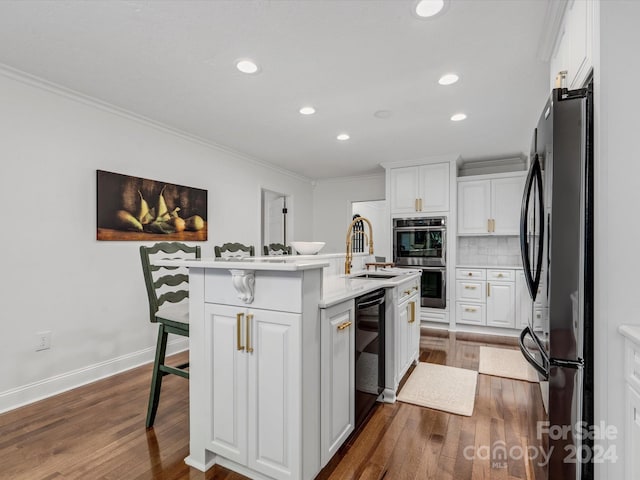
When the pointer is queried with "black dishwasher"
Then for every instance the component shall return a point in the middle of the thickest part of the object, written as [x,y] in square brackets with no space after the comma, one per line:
[369,339]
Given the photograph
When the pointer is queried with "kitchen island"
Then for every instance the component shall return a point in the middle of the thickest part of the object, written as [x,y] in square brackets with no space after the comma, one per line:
[256,373]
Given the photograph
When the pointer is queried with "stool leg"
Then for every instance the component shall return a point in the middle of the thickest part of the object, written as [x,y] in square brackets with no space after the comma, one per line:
[156,379]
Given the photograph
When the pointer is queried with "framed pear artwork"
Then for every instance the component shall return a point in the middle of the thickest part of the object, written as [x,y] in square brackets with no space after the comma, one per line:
[134,208]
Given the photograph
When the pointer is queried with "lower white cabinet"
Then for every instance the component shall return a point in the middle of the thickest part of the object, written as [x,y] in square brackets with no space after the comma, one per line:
[407,328]
[487,297]
[524,307]
[255,403]
[338,378]
[402,334]
[501,304]
[632,403]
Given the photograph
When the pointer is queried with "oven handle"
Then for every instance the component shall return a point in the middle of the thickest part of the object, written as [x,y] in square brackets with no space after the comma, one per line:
[418,229]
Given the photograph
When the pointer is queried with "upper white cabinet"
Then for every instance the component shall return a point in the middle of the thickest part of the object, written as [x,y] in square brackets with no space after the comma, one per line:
[418,189]
[574,44]
[490,206]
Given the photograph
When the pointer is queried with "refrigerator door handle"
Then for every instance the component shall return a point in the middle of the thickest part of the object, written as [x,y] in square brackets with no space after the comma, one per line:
[542,369]
[533,178]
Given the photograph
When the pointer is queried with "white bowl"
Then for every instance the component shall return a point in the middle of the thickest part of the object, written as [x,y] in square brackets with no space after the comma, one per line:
[307,248]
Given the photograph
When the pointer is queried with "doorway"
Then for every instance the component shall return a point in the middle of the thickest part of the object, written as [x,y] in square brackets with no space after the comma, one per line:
[275,217]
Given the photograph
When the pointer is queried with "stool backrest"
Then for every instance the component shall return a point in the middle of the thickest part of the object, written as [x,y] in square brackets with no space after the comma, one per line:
[165,284]
[234,250]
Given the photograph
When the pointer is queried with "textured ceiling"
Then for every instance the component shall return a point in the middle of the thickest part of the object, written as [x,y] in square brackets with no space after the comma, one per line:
[173,62]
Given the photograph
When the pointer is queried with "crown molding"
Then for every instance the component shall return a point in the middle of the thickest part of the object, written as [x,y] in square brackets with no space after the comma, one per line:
[355,178]
[451,157]
[57,89]
[550,28]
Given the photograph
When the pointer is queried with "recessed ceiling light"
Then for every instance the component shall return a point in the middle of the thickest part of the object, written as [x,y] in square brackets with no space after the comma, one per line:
[247,66]
[429,8]
[448,79]
[458,117]
[307,110]
[343,137]
[382,114]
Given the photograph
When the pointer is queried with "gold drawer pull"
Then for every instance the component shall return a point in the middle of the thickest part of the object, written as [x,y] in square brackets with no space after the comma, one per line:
[344,325]
[239,330]
[470,287]
[488,289]
[471,310]
[500,275]
[412,306]
[470,274]
[407,292]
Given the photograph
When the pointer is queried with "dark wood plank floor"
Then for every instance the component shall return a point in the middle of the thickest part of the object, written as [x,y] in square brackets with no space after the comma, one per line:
[97,431]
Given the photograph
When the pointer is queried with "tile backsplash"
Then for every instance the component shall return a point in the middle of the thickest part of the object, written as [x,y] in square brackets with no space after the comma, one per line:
[489,251]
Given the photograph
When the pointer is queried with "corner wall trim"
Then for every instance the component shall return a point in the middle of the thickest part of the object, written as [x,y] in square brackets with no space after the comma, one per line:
[48,387]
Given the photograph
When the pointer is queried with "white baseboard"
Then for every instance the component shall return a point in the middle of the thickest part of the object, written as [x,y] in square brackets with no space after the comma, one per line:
[32,392]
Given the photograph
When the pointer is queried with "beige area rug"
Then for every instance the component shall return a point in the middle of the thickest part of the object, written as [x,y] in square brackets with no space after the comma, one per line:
[504,362]
[441,387]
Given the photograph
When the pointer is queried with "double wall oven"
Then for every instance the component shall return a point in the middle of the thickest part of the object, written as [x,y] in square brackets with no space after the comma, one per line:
[421,243]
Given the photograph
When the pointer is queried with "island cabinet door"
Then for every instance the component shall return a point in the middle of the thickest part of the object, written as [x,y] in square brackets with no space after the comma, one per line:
[274,393]
[225,349]
[413,313]
[338,377]
[402,339]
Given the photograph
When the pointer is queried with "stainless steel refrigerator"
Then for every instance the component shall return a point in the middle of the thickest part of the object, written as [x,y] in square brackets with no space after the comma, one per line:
[556,238]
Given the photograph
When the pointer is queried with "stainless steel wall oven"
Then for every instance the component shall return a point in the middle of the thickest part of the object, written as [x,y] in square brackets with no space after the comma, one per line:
[421,243]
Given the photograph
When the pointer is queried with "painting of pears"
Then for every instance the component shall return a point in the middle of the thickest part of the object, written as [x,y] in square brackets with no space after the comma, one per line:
[134,208]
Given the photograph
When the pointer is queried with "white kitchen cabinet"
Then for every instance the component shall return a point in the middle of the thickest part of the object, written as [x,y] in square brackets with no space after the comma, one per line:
[524,307]
[632,400]
[408,325]
[255,364]
[490,205]
[402,334]
[501,303]
[419,189]
[573,50]
[337,382]
[487,297]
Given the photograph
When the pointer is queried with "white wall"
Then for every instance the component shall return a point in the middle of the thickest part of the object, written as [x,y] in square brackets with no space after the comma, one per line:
[56,276]
[617,75]
[332,207]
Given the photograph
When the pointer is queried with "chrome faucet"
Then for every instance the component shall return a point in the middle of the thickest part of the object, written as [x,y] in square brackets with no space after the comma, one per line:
[350,235]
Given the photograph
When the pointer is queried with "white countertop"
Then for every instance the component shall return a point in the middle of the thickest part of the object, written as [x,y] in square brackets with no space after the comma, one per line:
[632,332]
[340,288]
[290,263]
[492,267]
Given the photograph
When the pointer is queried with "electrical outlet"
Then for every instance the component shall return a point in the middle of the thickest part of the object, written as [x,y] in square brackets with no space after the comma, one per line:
[43,341]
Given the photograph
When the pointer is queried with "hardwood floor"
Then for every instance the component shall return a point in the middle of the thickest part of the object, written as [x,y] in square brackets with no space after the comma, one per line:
[97,431]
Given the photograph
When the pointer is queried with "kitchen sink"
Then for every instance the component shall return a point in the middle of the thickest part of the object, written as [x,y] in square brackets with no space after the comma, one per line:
[375,275]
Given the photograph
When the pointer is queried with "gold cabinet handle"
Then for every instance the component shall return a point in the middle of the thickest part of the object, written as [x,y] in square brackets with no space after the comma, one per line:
[493,225]
[500,275]
[489,225]
[420,200]
[471,310]
[239,330]
[344,325]
[249,319]
[417,205]
[488,289]
[407,292]
[412,307]
[470,274]
[470,287]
